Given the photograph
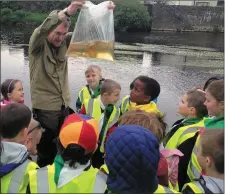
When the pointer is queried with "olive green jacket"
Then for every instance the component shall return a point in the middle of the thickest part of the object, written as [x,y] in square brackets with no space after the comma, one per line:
[48,69]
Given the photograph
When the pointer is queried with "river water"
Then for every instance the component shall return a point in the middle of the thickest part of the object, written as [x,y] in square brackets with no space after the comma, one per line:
[175,73]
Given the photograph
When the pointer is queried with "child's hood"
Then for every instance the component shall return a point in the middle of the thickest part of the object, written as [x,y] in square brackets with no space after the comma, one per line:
[214,184]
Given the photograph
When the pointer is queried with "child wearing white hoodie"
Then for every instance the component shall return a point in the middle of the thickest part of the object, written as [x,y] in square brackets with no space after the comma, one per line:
[210,155]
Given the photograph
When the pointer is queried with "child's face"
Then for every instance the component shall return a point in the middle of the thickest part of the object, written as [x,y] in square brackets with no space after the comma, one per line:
[93,78]
[113,97]
[183,108]
[137,93]
[17,95]
[214,107]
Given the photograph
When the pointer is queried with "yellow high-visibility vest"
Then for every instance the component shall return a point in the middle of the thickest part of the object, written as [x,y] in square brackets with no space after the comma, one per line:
[84,94]
[17,180]
[93,109]
[90,181]
[195,187]
[183,134]
[194,169]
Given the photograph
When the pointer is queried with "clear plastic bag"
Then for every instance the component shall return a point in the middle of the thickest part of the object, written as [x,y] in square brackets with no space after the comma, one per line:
[93,35]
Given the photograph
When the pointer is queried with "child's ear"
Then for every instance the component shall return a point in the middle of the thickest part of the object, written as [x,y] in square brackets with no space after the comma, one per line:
[192,110]
[148,98]
[23,134]
[208,161]
[9,95]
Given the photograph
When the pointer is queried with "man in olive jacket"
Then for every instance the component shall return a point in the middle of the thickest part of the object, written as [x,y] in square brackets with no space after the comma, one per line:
[49,77]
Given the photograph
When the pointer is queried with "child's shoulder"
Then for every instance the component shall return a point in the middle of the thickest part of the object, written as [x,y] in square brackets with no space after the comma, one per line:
[84,88]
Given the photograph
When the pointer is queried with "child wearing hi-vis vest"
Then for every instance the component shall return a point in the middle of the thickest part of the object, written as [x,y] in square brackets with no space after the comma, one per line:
[132,157]
[104,110]
[184,132]
[15,164]
[143,95]
[72,171]
[93,75]
[214,94]
[210,156]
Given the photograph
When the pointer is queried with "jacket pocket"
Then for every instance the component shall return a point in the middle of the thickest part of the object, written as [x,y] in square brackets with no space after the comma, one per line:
[50,66]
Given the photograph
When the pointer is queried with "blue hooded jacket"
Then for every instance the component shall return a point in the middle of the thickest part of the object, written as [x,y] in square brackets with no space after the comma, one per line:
[132,157]
[12,155]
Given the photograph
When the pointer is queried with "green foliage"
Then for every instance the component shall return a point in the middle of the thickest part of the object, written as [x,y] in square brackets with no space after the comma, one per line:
[35,17]
[130,15]
[18,15]
[6,14]
[6,11]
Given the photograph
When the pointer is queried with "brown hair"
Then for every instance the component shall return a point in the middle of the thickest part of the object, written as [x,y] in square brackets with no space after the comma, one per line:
[93,68]
[216,89]
[109,86]
[196,99]
[212,143]
[7,87]
[150,121]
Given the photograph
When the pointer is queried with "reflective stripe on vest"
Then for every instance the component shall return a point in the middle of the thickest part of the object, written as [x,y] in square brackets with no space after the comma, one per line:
[43,184]
[183,134]
[84,94]
[42,180]
[188,133]
[161,189]
[194,169]
[17,177]
[100,182]
[195,186]
[125,103]
[90,107]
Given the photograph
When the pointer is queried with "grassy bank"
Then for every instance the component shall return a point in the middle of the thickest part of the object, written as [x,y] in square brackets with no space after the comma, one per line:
[128,16]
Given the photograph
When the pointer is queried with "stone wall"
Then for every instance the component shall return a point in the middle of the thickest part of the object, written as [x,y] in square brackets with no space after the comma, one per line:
[187,18]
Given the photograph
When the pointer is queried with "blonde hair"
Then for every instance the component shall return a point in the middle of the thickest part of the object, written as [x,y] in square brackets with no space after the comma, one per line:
[151,121]
[109,86]
[93,69]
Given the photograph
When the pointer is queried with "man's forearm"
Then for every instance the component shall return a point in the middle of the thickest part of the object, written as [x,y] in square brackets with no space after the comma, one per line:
[50,23]
[41,32]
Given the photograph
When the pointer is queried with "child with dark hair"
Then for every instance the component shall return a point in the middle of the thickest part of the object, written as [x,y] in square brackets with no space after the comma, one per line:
[72,171]
[184,132]
[104,110]
[215,105]
[14,162]
[210,156]
[210,80]
[12,91]
[144,90]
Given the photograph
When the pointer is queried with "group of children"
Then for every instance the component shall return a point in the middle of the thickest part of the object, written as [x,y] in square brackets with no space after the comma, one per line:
[106,148]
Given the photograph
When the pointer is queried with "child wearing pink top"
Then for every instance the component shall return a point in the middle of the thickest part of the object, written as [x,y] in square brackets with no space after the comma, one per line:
[12,92]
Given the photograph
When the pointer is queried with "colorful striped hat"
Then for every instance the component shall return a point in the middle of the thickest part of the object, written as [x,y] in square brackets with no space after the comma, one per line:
[79,129]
